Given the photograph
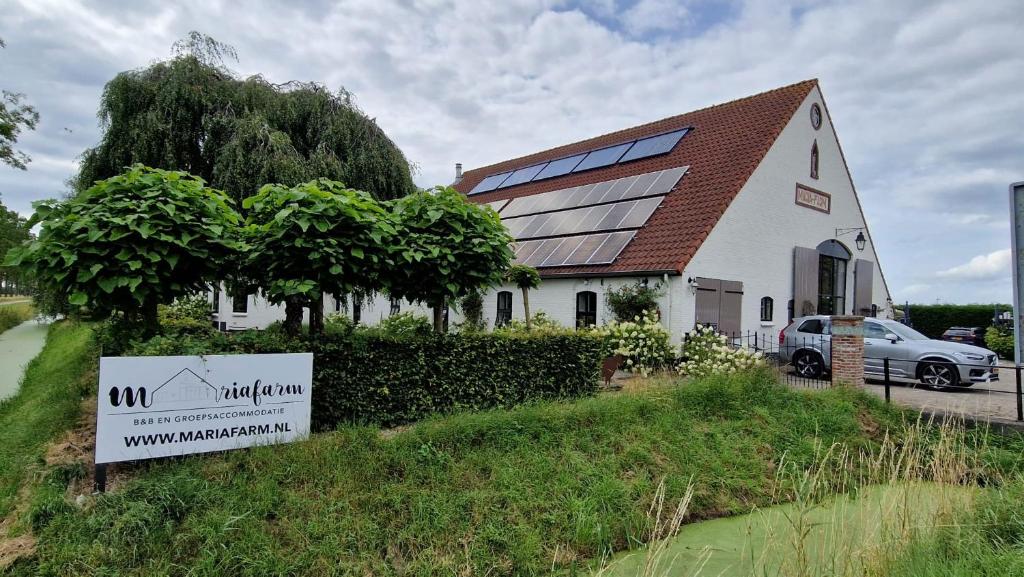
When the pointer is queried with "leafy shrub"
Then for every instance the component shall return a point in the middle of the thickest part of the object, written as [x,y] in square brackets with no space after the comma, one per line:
[402,325]
[933,320]
[633,300]
[252,341]
[339,324]
[643,341]
[705,352]
[1000,341]
[472,306]
[367,377]
[540,323]
[194,307]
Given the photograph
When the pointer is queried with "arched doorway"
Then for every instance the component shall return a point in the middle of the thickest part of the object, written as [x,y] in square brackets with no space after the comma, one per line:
[833,262]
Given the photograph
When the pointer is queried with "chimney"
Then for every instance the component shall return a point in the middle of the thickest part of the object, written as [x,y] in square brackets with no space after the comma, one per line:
[458,172]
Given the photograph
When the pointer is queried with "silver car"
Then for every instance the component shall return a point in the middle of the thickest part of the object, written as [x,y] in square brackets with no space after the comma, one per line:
[806,344]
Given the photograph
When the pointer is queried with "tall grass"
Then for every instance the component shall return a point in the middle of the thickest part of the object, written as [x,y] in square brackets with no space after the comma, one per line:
[846,514]
[14,314]
[46,404]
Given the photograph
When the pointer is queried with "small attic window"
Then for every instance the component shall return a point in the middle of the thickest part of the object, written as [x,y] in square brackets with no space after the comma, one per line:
[815,116]
[814,160]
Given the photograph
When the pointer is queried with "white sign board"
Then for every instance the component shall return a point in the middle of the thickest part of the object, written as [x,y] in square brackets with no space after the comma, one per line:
[165,406]
[1017,252]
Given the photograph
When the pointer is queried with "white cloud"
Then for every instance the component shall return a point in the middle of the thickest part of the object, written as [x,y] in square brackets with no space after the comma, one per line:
[982,267]
[647,16]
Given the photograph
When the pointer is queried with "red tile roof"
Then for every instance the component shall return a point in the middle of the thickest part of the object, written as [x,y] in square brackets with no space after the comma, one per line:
[727,143]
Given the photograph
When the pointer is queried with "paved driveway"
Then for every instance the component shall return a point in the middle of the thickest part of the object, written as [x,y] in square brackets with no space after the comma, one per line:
[986,401]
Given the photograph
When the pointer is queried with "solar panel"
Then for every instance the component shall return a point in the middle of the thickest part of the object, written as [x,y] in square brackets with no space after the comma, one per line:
[523,175]
[614,216]
[667,180]
[560,167]
[586,249]
[618,189]
[526,249]
[603,157]
[641,185]
[543,251]
[516,225]
[641,211]
[612,247]
[555,224]
[497,205]
[563,251]
[535,222]
[489,183]
[597,193]
[654,145]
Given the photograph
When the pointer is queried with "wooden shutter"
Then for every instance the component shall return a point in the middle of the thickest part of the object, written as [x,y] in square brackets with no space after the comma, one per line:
[708,300]
[863,281]
[731,307]
[805,281]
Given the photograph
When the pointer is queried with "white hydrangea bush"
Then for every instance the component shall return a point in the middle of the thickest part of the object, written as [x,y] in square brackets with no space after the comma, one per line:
[644,342]
[705,352]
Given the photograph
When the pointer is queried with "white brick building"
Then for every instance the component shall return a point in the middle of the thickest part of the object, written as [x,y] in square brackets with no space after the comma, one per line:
[745,212]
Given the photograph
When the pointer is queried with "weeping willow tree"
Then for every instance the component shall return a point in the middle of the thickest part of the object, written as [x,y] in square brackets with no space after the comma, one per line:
[193,113]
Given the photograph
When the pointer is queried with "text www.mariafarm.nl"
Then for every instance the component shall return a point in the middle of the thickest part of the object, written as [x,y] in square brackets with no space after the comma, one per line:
[205,435]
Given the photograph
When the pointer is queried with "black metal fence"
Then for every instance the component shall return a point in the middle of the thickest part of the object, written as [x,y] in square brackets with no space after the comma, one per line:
[804,362]
[969,378]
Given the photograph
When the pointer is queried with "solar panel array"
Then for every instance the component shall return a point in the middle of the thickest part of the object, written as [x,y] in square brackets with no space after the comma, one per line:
[629,214]
[624,152]
[585,225]
[573,250]
[637,186]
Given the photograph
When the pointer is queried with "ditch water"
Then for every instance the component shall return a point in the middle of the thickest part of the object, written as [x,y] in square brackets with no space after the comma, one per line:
[18,346]
[840,536]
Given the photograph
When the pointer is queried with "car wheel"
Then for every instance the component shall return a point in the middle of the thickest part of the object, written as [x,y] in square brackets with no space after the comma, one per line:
[809,365]
[940,375]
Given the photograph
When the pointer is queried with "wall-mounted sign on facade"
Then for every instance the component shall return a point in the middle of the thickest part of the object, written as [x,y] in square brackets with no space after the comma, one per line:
[815,199]
[166,406]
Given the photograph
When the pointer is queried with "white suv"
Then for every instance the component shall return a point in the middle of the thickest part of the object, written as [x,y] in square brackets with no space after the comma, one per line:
[806,343]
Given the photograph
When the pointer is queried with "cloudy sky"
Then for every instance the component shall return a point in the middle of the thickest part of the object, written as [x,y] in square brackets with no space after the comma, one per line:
[926,96]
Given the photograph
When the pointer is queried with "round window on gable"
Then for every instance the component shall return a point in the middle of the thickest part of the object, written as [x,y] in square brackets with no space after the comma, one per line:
[815,116]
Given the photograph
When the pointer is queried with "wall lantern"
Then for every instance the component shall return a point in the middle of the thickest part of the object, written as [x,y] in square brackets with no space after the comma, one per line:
[693,285]
[861,241]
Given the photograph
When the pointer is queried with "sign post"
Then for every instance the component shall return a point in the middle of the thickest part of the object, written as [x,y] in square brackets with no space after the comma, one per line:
[150,407]
[1017,253]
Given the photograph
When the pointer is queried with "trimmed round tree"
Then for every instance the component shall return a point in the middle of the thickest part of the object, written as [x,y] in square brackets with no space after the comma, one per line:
[131,242]
[526,278]
[445,248]
[315,238]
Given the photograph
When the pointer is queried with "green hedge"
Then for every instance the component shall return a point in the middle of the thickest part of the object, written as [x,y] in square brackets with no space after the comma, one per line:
[933,320]
[1000,341]
[362,378]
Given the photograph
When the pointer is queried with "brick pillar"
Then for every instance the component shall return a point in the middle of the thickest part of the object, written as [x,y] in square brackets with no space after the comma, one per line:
[848,350]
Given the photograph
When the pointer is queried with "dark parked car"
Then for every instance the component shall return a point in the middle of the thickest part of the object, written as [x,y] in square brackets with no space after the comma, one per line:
[970,335]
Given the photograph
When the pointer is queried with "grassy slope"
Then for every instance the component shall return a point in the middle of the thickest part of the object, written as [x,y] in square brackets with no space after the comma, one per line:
[501,493]
[46,404]
[14,314]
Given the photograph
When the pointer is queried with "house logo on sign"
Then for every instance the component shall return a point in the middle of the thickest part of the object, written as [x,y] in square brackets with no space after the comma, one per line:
[185,388]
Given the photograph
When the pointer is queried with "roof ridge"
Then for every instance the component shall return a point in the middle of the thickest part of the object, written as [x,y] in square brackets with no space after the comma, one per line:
[810,81]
